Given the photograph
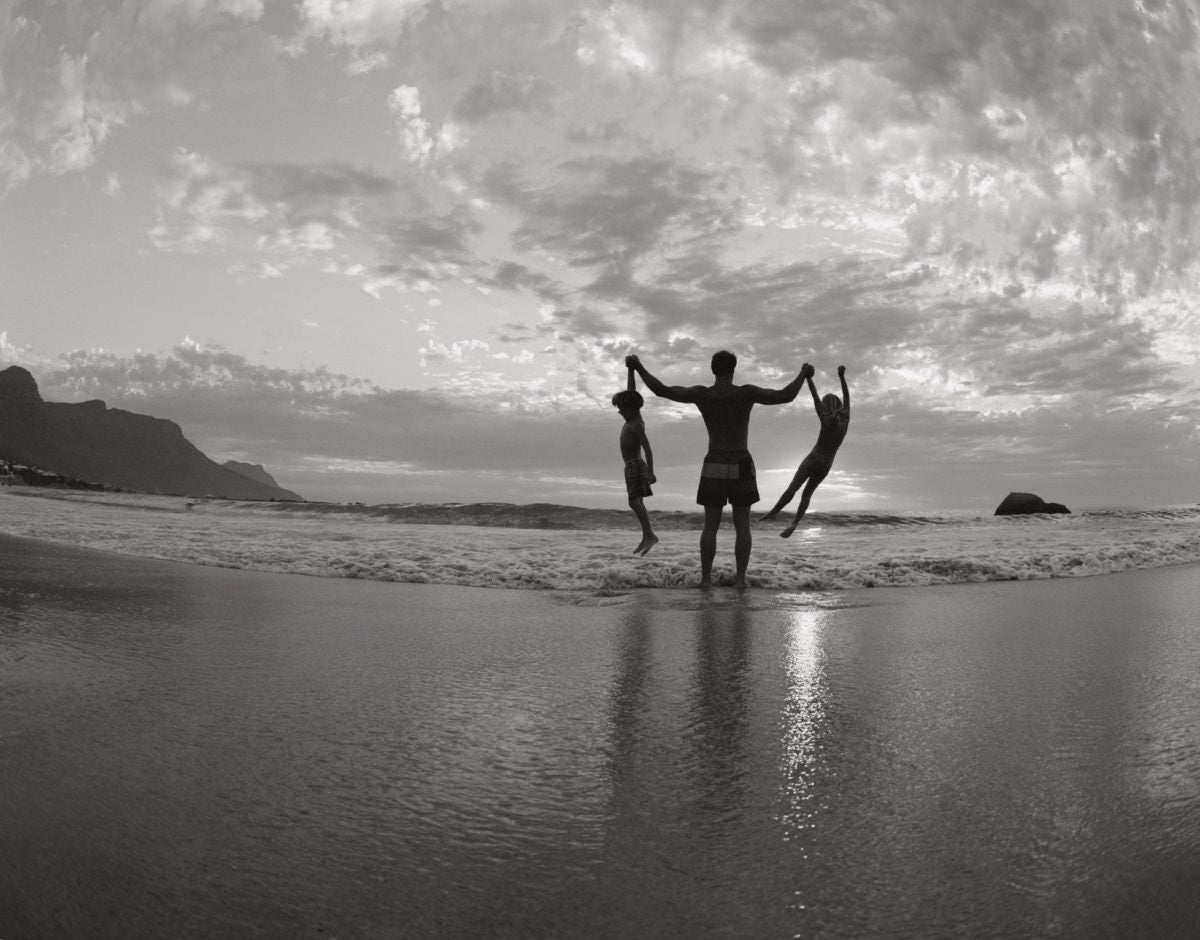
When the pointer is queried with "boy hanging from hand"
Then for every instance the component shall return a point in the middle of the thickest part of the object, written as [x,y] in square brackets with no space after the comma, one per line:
[639,473]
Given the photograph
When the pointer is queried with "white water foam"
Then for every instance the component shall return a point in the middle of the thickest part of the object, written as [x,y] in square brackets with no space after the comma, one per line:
[876,551]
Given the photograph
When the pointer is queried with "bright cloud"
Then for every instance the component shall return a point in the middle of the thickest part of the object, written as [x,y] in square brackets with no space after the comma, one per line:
[988,211]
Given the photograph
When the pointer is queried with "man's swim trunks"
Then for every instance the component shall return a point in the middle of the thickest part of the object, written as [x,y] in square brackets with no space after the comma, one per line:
[727,475]
[637,478]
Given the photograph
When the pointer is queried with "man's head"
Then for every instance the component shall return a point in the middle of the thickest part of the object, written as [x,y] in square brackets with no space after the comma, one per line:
[628,402]
[723,362]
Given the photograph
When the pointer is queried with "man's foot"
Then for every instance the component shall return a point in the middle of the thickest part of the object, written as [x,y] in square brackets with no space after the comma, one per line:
[787,533]
[741,584]
[645,545]
[705,584]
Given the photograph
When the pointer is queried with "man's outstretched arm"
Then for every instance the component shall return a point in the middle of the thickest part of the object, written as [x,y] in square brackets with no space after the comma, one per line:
[781,396]
[673,392]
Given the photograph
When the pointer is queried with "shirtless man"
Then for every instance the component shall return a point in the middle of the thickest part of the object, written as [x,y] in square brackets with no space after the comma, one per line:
[728,471]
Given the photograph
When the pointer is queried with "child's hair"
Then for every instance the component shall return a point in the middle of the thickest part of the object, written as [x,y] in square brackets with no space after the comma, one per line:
[832,402]
[628,397]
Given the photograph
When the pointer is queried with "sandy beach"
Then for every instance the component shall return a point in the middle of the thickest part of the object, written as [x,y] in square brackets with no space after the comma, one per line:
[194,751]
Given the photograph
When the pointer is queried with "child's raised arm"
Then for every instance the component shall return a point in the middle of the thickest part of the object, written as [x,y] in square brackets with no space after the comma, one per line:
[631,385]
[845,387]
[816,398]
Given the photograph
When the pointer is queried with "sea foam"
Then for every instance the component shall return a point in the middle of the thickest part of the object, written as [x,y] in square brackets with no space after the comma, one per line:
[569,549]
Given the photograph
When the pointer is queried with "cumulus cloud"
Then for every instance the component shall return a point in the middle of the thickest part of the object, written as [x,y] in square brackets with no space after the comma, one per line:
[80,124]
[69,80]
[334,437]
[1018,135]
[1017,144]
[988,210]
[415,233]
[405,103]
[301,420]
[361,22]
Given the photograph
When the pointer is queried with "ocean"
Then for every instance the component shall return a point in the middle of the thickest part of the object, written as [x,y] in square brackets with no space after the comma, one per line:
[565,548]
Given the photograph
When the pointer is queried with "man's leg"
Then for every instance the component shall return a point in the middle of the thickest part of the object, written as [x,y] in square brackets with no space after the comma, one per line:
[708,543]
[741,546]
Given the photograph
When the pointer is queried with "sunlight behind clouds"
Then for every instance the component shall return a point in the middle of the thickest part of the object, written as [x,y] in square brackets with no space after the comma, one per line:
[987,211]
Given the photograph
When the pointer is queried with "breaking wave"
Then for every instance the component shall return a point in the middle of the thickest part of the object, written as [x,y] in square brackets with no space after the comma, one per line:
[565,548]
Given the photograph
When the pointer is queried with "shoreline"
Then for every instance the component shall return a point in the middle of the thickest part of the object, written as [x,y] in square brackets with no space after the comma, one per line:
[683,596]
[822,555]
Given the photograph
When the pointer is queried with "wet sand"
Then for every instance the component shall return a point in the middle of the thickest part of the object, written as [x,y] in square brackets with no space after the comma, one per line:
[191,751]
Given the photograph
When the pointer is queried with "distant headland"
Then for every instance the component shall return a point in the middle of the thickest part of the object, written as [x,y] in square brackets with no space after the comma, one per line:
[89,445]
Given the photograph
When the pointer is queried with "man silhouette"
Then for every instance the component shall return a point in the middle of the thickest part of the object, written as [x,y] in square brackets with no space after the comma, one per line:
[727,474]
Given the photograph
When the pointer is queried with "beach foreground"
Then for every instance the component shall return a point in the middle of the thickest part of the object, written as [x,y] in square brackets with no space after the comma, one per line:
[193,751]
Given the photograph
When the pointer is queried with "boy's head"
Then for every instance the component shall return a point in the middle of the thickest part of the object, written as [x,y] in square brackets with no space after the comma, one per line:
[628,400]
[723,362]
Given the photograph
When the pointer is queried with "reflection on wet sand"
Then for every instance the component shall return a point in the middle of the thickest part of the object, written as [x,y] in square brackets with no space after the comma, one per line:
[802,721]
[259,755]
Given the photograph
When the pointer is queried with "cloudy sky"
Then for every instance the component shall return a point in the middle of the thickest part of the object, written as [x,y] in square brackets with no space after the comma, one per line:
[396,250]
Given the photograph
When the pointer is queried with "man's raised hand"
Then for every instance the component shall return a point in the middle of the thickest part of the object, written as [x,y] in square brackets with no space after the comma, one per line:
[807,371]
[632,362]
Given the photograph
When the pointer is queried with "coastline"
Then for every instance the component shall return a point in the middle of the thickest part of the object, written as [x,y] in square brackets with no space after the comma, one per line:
[841,554]
[574,595]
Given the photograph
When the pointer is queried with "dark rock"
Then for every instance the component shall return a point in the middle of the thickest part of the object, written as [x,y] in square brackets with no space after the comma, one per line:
[19,395]
[1019,504]
[255,471]
[100,445]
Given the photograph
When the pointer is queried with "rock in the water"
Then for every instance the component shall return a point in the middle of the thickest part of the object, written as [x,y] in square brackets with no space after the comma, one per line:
[1019,504]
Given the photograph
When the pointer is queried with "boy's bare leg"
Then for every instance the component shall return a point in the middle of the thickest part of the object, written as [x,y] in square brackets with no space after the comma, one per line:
[708,543]
[649,539]
[741,547]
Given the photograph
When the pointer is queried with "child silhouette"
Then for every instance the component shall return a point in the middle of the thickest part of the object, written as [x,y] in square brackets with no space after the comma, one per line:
[834,414]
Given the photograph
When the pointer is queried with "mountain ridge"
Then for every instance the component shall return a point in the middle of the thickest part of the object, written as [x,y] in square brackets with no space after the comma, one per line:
[112,447]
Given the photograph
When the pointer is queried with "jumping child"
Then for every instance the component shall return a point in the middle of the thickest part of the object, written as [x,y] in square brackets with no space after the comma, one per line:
[639,473]
[834,415]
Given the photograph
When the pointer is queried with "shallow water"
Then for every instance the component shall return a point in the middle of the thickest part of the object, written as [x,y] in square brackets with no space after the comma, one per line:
[190,751]
[828,552]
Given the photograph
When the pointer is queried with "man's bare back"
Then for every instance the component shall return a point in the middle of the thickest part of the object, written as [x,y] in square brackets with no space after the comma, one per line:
[725,408]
